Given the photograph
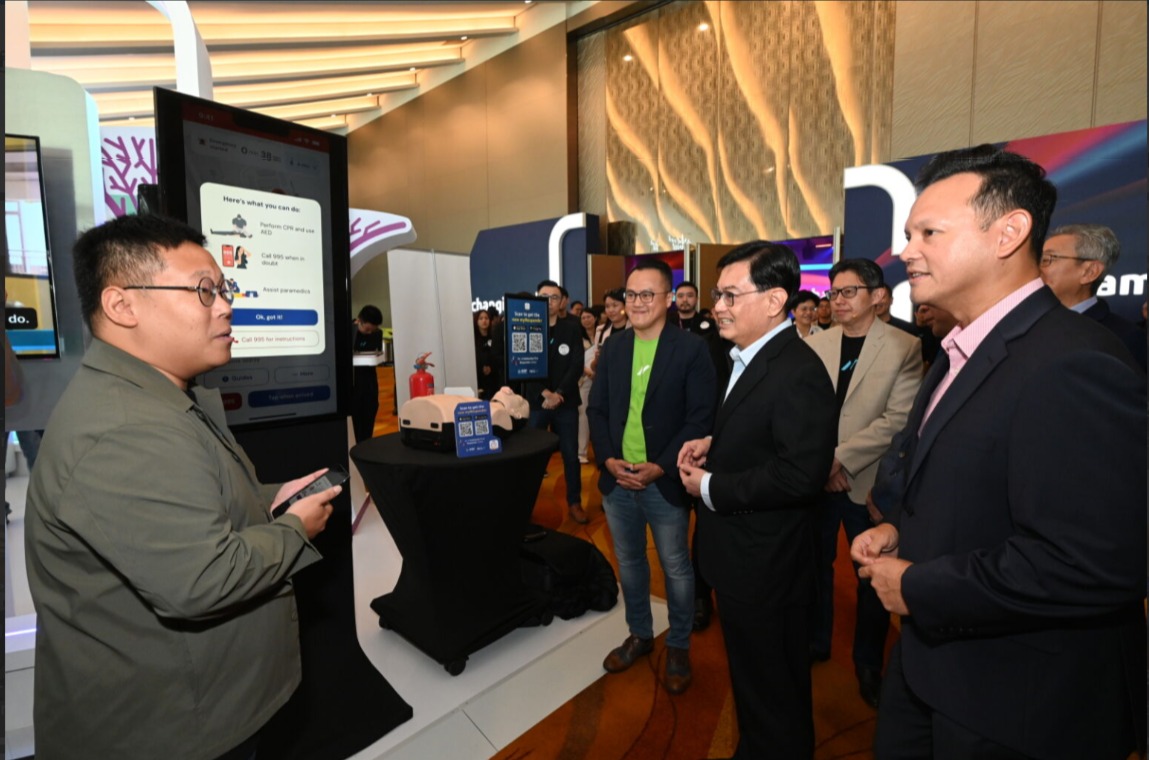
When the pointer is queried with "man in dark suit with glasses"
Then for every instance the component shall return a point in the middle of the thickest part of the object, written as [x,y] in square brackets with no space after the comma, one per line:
[759,477]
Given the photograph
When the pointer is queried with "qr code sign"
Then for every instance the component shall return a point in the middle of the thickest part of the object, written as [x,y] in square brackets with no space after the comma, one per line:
[466,429]
[482,427]
[518,343]
[536,343]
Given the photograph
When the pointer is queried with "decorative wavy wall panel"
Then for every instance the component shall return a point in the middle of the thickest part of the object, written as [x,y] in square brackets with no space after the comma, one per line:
[730,120]
[592,115]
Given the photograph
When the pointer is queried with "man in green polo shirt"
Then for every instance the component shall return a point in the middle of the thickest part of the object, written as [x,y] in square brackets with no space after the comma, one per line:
[654,390]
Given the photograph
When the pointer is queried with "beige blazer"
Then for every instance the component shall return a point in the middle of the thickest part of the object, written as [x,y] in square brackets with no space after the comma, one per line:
[879,398]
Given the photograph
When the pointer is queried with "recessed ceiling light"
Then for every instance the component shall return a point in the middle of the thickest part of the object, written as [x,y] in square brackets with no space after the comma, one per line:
[703,26]
[411,69]
[333,116]
[370,94]
[628,57]
[463,37]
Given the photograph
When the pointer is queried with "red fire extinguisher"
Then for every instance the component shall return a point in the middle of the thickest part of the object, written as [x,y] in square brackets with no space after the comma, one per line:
[422,382]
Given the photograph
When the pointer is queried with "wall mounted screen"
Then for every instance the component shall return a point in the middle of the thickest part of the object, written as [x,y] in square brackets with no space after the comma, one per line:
[815,257]
[29,296]
[678,261]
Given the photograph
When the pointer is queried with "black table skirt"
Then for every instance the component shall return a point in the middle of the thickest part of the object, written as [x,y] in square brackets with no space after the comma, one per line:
[458,523]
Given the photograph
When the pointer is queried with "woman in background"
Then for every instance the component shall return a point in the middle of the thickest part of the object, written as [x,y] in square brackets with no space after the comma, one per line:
[488,356]
[804,306]
[614,305]
[588,322]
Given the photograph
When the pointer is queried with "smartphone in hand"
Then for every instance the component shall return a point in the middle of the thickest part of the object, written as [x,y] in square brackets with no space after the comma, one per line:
[334,476]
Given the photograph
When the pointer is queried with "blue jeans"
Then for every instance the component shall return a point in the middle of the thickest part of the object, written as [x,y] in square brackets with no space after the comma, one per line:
[873,622]
[564,423]
[628,513]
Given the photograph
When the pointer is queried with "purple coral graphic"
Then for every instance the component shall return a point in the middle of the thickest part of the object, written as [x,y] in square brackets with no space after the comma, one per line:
[127,162]
[362,235]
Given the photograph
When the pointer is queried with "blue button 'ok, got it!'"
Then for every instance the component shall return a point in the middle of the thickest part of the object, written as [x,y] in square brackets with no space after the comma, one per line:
[273,317]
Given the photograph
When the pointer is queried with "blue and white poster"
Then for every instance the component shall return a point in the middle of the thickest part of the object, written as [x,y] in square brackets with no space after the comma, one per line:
[526,325]
[474,436]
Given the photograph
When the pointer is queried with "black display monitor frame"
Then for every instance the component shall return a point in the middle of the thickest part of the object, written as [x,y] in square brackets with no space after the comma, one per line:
[182,121]
[21,319]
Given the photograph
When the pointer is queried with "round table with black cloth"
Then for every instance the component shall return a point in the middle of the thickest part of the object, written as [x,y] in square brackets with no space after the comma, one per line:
[458,523]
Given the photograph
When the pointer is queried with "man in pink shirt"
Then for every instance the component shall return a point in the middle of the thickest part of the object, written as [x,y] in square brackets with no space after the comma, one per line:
[1014,540]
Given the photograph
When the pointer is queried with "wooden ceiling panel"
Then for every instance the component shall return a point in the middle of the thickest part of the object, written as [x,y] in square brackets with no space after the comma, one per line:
[304,61]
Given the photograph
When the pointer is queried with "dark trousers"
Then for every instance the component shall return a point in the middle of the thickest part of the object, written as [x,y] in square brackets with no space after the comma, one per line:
[701,587]
[364,403]
[563,422]
[908,729]
[873,622]
[767,650]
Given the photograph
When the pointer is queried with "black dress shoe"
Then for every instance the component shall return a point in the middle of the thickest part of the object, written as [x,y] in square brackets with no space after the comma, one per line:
[624,656]
[869,685]
[678,672]
[703,609]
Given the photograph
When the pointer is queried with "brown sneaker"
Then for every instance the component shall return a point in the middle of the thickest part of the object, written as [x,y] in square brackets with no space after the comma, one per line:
[678,675]
[624,656]
[578,514]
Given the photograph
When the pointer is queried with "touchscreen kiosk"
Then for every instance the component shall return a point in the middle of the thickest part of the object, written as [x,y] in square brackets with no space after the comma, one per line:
[271,198]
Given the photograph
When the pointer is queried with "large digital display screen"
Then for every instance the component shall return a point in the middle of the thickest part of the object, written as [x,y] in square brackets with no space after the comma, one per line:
[677,261]
[266,194]
[815,258]
[29,299]
[1100,178]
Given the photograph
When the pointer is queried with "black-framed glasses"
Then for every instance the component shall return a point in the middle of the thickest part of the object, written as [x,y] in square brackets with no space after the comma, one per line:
[847,292]
[646,296]
[552,297]
[1047,259]
[728,296]
[207,290]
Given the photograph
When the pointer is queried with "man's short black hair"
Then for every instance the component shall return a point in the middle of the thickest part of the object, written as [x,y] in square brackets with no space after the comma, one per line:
[547,284]
[563,292]
[868,271]
[824,299]
[127,250]
[615,294]
[771,265]
[371,315]
[687,284]
[801,297]
[1008,182]
[576,303]
[657,265]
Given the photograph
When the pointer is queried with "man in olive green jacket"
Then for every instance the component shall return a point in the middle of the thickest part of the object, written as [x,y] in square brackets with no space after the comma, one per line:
[166,625]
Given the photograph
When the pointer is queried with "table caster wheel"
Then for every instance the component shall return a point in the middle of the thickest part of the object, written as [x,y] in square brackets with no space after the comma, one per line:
[455,667]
